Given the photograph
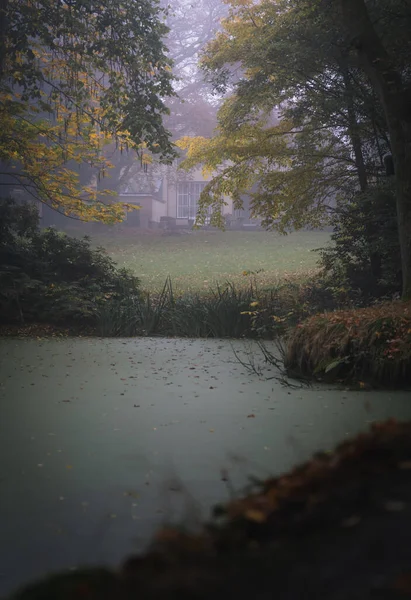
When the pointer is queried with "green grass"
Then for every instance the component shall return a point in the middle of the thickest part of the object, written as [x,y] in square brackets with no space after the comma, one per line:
[197,261]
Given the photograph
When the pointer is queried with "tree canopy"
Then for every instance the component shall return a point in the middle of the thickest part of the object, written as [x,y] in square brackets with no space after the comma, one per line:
[74,77]
[306,124]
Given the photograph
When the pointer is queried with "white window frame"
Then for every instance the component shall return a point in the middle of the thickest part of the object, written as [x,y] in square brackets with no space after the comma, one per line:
[188,194]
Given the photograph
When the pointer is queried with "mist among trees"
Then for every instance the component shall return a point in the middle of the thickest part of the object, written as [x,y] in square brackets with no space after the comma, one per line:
[242,170]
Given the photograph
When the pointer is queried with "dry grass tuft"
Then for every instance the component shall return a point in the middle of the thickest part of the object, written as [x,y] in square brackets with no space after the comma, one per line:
[368,344]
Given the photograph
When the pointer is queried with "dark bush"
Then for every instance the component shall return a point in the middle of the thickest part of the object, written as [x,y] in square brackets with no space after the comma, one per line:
[363,260]
[220,313]
[46,276]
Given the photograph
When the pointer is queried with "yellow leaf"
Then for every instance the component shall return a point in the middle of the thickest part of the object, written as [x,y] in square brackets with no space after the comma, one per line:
[255,515]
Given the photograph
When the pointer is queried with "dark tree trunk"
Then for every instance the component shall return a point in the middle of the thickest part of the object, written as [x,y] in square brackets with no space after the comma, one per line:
[354,131]
[356,142]
[396,100]
[3,30]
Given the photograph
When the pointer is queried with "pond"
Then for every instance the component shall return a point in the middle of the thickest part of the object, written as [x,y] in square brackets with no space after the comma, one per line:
[103,441]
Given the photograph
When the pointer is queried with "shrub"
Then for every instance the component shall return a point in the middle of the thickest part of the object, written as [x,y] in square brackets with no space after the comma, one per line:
[287,304]
[368,344]
[225,311]
[363,261]
[137,315]
[217,314]
[46,276]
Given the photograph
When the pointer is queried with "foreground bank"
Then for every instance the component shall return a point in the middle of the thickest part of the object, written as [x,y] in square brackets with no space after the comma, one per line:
[337,527]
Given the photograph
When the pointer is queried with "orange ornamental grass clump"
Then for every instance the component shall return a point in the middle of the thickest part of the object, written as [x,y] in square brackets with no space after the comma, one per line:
[372,344]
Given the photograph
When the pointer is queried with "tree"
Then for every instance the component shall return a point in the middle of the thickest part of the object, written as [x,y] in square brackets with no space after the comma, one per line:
[297,57]
[298,179]
[192,111]
[76,75]
[393,87]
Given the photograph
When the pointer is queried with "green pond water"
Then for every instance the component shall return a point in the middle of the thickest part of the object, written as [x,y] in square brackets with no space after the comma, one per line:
[103,441]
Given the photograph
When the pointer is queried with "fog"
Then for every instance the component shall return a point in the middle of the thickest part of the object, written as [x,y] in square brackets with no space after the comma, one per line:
[205,268]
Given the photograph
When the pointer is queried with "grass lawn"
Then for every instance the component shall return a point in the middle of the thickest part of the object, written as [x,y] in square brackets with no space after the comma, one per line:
[198,260]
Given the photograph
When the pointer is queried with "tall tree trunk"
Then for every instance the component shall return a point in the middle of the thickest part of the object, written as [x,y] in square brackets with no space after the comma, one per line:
[3,30]
[396,100]
[356,142]
[354,130]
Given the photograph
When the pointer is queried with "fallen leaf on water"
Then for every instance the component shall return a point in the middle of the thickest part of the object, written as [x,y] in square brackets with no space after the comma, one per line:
[250,416]
[255,515]
[69,466]
[131,493]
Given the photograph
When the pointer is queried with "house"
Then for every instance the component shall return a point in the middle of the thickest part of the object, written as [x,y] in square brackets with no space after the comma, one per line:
[149,195]
[169,197]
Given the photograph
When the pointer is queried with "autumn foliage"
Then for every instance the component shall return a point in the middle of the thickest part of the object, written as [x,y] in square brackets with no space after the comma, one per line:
[74,78]
[371,344]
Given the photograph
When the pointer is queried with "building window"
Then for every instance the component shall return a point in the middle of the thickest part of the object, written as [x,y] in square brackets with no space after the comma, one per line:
[188,194]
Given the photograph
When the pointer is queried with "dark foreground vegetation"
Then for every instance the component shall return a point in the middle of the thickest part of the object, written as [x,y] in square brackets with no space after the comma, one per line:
[336,527]
[49,277]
